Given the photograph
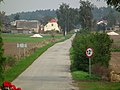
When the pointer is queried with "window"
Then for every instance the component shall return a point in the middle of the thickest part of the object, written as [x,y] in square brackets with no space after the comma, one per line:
[51,24]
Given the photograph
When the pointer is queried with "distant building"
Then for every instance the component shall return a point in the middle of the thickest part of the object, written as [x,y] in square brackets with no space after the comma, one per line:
[25,26]
[116,28]
[102,24]
[52,25]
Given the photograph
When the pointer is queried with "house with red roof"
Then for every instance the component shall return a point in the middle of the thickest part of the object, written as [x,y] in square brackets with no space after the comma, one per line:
[52,25]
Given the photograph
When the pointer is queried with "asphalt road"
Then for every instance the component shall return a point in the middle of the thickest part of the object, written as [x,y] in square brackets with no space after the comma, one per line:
[51,71]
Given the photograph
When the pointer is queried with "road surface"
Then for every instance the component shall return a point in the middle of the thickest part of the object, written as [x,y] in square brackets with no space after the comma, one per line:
[51,71]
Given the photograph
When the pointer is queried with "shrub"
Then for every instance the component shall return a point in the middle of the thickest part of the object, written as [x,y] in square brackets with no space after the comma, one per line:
[101,44]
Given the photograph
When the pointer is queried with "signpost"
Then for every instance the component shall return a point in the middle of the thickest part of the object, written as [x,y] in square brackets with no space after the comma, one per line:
[89,53]
[21,45]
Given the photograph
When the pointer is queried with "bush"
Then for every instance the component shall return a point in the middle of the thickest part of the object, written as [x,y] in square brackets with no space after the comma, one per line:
[100,42]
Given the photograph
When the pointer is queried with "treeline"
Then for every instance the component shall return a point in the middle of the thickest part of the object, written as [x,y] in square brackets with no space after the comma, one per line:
[106,13]
[34,15]
[98,13]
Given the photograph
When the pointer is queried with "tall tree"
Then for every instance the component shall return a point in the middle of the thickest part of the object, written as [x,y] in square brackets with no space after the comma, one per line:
[86,15]
[68,17]
[17,17]
[115,3]
[62,15]
[45,19]
[111,19]
[1,54]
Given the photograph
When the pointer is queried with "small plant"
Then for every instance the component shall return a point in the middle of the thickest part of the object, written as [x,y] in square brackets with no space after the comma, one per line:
[9,62]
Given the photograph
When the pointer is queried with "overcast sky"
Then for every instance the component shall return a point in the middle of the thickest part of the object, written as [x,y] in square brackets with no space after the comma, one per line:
[14,6]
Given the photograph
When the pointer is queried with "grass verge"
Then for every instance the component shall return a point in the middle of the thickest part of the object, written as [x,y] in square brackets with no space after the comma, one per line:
[98,85]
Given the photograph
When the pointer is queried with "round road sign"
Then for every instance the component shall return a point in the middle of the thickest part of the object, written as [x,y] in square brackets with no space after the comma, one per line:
[89,52]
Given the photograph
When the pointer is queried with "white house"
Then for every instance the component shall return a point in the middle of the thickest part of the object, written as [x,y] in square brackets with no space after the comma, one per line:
[52,25]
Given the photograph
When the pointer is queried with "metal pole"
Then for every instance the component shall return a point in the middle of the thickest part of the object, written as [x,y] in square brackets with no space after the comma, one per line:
[19,53]
[24,51]
[89,66]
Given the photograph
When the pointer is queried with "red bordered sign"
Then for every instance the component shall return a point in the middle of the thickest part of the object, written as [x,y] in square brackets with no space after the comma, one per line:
[89,52]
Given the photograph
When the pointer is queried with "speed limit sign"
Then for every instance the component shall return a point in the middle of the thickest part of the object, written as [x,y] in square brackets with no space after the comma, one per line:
[89,52]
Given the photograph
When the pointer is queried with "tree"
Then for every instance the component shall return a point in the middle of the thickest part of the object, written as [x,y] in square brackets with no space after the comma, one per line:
[45,19]
[85,13]
[5,22]
[115,3]
[17,17]
[1,54]
[62,15]
[68,17]
[1,1]
[111,19]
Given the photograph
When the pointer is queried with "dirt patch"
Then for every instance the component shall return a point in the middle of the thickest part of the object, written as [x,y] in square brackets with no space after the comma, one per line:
[115,56]
[11,49]
[115,61]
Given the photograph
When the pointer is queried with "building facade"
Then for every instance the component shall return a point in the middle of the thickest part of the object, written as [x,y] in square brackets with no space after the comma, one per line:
[25,26]
[52,25]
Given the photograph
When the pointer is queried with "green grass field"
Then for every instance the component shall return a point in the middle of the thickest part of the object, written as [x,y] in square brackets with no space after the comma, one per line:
[25,38]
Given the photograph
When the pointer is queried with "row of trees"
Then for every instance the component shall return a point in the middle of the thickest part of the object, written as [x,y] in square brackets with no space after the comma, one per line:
[87,15]
[115,3]
[33,15]
[69,18]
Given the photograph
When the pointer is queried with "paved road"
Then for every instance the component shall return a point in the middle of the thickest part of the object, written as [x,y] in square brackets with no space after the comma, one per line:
[51,71]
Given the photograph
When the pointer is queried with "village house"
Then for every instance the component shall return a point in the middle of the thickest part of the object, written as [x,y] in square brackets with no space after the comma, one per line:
[25,26]
[52,25]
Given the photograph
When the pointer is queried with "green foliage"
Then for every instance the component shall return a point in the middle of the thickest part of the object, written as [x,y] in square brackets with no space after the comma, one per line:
[67,17]
[40,15]
[2,59]
[1,1]
[115,3]
[17,17]
[115,49]
[9,62]
[101,44]
[85,13]
[80,75]
[62,15]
